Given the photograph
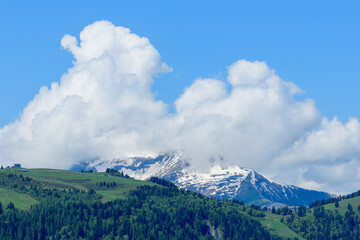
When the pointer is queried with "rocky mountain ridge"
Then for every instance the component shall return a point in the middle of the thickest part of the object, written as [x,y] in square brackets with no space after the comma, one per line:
[232,182]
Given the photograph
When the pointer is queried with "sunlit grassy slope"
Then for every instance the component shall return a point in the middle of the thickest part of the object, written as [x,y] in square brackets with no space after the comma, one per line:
[273,224]
[343,204]
[21,201]
[63,179]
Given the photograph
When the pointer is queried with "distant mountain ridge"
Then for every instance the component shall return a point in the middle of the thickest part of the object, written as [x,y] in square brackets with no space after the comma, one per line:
[232,182]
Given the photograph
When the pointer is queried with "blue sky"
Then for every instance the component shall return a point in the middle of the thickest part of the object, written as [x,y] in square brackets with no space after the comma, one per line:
[231,92]
[314,44]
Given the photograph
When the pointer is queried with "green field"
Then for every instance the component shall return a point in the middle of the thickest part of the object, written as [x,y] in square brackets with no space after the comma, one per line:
[21,201]
[63,179]
[355,202]
[276,227]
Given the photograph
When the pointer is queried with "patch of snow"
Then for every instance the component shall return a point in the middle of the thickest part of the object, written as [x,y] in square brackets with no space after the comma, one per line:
[253,180]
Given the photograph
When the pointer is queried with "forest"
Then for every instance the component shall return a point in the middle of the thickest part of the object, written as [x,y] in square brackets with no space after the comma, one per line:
[56,204]
[161,211]
[336,218]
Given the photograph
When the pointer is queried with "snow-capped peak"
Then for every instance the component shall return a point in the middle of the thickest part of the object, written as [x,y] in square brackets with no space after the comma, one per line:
[219,180]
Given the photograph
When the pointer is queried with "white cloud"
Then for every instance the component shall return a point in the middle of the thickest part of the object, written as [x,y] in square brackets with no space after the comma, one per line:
[244,73]
[331,142]
[103,107]
[249,125]
[337,177]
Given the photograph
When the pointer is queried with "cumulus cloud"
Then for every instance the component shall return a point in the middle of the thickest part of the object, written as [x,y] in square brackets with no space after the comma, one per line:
[248,125]
[326,157]
[332,141]
[103,107]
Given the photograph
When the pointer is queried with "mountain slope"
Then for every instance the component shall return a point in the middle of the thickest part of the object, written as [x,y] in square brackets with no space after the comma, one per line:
[111,187]
[219,181]
[21,201]
[155,210]
[337,218]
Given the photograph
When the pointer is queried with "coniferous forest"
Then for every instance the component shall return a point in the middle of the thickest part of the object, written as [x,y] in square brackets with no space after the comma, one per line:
[56,204]
[327,220]
[161,211]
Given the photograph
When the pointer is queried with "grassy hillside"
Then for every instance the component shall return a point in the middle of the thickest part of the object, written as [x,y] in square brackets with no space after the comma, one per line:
[21,201]
[63,179]
[343,206]
[273,223]
[327,219]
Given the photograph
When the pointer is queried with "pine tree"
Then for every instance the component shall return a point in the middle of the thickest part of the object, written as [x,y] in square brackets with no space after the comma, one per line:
[11,206]
[273,210]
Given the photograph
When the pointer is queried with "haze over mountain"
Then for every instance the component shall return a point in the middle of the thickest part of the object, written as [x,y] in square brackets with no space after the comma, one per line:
[103,108]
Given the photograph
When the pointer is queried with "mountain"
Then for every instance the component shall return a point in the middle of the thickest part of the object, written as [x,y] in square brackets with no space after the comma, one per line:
[59,204]
[232,182]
